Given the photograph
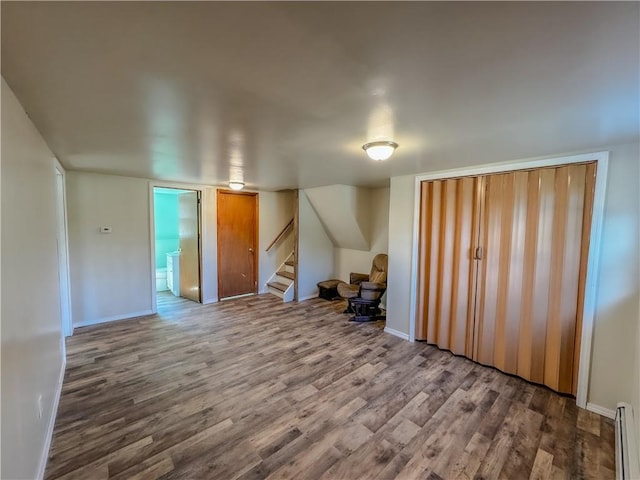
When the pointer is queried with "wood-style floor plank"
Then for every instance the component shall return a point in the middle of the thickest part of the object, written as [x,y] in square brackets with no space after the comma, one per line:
[253,388]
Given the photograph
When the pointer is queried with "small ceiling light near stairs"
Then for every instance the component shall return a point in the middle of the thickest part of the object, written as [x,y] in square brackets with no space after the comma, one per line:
[236,185]
[380,150]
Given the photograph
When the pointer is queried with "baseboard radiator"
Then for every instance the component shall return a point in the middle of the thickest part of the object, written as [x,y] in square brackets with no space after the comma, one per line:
[627,455]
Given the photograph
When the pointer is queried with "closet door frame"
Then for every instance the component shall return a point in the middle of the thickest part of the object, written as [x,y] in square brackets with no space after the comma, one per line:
[602,161]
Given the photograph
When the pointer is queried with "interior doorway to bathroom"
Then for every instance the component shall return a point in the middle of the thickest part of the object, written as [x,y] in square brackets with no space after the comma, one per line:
[177,230]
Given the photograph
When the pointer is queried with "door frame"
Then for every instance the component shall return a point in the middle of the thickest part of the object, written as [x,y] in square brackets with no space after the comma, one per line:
[152,236]
[64,271]
[595,235]
[256,237]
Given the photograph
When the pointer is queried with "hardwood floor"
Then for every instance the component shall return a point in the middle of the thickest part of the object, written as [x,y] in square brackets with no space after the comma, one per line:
[253,388]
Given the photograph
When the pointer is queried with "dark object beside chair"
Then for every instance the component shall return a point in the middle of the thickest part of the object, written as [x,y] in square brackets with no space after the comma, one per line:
[329,289]
[365,310]
[363,292]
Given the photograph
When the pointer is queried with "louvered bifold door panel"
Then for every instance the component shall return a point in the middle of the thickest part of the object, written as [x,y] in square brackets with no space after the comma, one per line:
[448,231]
[532,273]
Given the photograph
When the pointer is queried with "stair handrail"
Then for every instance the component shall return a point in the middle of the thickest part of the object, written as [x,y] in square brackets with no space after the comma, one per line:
[280,235]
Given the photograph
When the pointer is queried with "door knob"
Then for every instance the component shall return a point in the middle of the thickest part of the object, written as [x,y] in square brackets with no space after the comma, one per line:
[251,250]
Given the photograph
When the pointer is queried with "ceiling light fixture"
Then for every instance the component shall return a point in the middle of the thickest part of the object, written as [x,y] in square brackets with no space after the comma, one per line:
[236,185]
[380,150]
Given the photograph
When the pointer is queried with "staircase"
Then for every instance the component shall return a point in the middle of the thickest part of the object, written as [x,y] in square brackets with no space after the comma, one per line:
[281,283]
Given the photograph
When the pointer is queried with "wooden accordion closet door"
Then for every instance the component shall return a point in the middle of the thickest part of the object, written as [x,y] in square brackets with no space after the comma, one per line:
[534,232]
[446,279]
[502,267]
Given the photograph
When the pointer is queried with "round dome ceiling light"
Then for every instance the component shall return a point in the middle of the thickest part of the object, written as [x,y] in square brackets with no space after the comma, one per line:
[236,185]
[380,150]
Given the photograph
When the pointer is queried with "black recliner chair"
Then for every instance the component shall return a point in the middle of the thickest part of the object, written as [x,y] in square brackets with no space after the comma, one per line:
[363,292]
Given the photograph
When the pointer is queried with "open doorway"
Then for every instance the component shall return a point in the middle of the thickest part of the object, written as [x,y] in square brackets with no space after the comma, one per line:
[177,230]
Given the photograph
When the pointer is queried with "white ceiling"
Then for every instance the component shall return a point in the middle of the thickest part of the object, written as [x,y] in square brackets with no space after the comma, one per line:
[285,94]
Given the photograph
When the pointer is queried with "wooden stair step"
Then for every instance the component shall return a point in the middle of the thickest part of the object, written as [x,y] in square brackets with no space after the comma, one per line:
[289,275]
[278,286]
[290,263]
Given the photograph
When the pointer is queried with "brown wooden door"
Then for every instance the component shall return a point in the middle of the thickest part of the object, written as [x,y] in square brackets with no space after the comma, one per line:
[237,243]
[502,268]
[189,239]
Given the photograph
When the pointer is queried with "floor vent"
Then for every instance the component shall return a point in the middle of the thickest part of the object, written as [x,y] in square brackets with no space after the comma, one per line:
[627,457]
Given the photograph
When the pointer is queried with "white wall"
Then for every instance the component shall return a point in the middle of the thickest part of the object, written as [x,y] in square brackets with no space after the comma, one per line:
[315,250]
[348,260]
[613,367]
[209,240]
[617,311]
[400,246]
[110,273]
[344,212]
[276,210]
[32,353]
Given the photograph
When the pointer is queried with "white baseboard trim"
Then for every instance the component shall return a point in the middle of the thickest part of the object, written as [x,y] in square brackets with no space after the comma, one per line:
[605,412]
[308,297]
[396,333]
[44,455]
[126,316]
